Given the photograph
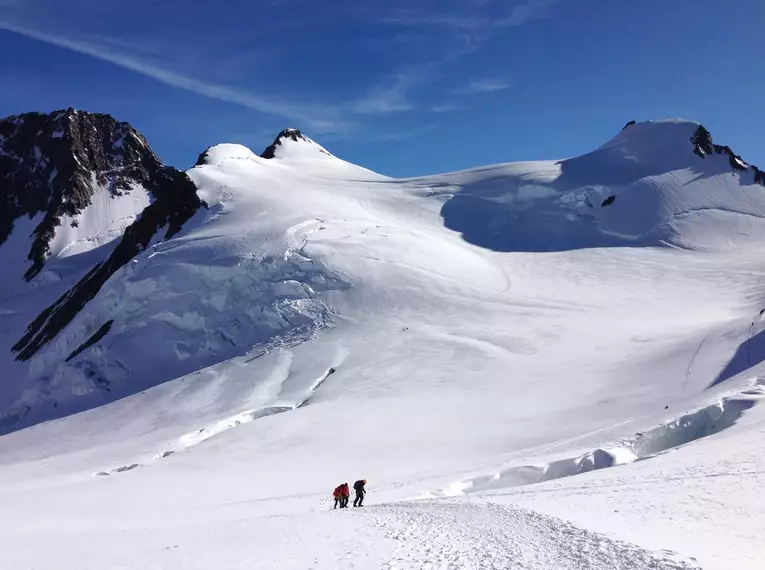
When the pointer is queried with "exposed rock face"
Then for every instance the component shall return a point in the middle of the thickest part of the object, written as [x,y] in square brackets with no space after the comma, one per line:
[608,201]
[288,134]
[735,160]
[702,142]
[759,176]
[94,338]
[629,124]
[202,158]
[53,164]
[703,146]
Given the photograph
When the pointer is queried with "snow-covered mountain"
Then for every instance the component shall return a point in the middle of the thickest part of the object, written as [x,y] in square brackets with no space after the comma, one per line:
[76,180]
[82,195]
[471,333]
[293,144]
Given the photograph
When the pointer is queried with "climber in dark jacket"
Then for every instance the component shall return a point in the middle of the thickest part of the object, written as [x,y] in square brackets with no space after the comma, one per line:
[358,486]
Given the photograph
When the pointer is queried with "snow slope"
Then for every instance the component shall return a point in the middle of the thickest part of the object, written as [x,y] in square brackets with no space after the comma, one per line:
[487,335]
[102,222]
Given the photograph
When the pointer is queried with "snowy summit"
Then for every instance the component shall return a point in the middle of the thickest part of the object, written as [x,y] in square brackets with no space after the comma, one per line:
[553,364]
[291,143]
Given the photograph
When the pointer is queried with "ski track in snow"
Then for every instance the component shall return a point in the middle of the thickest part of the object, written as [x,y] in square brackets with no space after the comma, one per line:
[448,536]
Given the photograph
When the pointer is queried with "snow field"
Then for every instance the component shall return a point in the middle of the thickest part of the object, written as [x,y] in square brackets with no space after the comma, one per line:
[496,334]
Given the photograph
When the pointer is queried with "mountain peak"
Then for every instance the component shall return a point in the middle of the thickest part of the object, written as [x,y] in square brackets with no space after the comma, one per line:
[52,165]
[294,134]
[649,148]
[291,143]
[224,151]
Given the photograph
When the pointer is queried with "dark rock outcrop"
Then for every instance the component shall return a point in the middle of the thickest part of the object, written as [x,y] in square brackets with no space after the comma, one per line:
[735,160]
[286,134]
[759,176]
[102,331]
[703,146]
[702,142]
[629,124]
[202,158]
[608,201]
[53,164]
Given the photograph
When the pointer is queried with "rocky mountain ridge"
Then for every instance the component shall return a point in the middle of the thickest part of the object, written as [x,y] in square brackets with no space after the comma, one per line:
[53,164]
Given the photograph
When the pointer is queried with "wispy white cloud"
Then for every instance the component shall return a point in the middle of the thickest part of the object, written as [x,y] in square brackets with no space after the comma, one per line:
[412,17]
[468,15]
[214,66]
[391,96]
[525,12]
[325,122]
[401,135]
[446,108]
[486,85]
[464,27]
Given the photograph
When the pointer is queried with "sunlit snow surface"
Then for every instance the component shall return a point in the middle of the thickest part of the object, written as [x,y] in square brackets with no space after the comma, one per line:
[470,343]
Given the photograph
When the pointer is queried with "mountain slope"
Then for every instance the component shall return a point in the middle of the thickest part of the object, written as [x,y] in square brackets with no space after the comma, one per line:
[82,194]
[466,333]
[82,177]
[256,271]
[644,187]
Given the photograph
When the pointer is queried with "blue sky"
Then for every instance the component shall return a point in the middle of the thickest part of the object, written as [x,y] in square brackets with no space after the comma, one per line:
[404,87]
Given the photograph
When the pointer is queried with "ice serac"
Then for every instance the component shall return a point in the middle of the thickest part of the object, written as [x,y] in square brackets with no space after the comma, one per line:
[82,177]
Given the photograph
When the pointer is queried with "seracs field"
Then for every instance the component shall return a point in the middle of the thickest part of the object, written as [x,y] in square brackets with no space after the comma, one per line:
[536,365]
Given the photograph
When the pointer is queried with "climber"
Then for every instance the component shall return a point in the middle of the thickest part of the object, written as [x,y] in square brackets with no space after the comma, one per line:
[345,493]
[337,494]
[358,486]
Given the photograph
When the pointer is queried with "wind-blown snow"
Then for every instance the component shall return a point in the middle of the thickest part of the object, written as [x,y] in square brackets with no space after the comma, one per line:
[507,333]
